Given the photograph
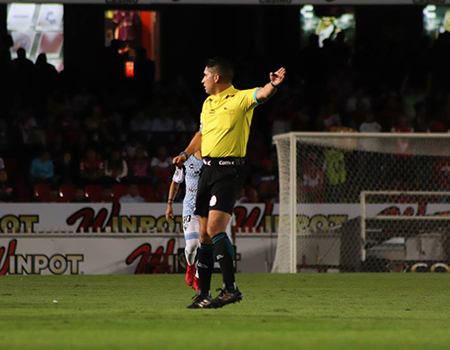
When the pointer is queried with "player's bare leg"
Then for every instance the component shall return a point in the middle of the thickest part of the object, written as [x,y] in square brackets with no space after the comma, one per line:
[191,228]
[190,252]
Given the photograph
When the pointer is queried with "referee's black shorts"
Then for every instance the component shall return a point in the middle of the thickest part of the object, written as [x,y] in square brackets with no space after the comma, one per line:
[221,181]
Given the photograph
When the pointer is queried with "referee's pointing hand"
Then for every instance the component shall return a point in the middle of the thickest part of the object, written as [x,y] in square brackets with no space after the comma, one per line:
[277,77]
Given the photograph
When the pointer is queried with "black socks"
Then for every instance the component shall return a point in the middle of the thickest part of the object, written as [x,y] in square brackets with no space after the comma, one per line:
[205,266]
[225,256]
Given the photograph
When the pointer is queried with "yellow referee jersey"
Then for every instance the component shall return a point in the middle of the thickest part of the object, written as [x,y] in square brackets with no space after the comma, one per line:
[225,122]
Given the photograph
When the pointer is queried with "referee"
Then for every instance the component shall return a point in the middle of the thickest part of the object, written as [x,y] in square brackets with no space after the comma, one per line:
[224,130]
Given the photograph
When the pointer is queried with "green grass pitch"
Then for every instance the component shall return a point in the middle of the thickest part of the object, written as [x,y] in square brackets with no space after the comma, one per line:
[302,311]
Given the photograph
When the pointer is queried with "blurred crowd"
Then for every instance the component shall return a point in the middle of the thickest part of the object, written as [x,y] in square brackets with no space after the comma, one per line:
[111,138]
[105,139]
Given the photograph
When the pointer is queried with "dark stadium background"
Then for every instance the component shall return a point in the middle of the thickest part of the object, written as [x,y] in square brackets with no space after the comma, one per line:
[389,46]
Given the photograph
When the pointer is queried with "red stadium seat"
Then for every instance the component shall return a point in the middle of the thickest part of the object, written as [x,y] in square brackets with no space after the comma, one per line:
[147,192]
[67,192]
[42,192]
[24,194]
[119,190]
[93,192]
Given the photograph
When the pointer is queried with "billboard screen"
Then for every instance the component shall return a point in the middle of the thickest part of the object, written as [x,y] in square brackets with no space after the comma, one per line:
[37,28]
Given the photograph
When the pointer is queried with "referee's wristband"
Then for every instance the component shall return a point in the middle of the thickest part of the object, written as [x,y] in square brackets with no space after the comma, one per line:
[170,201]
[185,153]
[274,86]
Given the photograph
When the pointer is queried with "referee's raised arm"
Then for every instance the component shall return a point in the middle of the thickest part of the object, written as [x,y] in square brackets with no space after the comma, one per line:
[276,78]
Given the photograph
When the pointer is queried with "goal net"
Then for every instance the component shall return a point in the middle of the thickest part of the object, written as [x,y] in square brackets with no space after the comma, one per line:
[363,202]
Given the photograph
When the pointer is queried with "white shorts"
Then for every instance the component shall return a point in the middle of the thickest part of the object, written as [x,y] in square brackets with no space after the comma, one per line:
[191,227]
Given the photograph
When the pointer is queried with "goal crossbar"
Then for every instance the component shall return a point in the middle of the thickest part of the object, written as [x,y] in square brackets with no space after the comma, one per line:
[354,135]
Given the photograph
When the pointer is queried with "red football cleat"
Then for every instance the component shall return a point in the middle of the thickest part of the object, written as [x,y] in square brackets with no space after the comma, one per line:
[190,275]
[196,285]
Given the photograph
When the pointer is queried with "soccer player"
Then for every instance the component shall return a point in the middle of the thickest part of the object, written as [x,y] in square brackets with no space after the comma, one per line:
[189,173]
[224,131]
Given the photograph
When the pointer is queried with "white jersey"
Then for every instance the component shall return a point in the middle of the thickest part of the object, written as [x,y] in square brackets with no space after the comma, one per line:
[189,173]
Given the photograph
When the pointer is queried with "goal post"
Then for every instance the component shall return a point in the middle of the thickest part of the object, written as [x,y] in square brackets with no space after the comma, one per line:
[332,184]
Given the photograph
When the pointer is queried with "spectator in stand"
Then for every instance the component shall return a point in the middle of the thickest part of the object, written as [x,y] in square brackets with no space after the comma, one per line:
[22,63]
[140,168]
[116,168]
[442,173]
[361,98]
[7,188]
[66,170]
[80,196]
[6,141]
[6,73]
[162,164]
[313,179]
[2,164]
[144,71]
[437,126]
[26,125]
[370,124]
[242,197]
[81,147]
[91,168]
[113,69]
[282,114]
[144,68]
[132,196]
[93,122]
[303,118]
[117,129]
[412,93]
[253,196]
[444,110]
[390,111]
[163,122]
[185,122]
[342,83]
[24,70]
[107,195]
[402,125]
[422,121]
[326,29]
[266,181]
[329,117]
[58,103]
[46,73]
[42,170]
[141,123]
[104,137]
[73,133]
[56,145]
[402,170]
[256,151]
[81,100]
[132,145]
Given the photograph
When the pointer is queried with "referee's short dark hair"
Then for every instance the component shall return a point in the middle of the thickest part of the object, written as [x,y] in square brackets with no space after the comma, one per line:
[223,68]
